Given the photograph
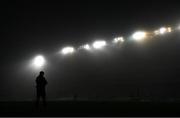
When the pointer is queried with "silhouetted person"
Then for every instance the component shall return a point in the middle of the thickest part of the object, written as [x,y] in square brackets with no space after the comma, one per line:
[40,87]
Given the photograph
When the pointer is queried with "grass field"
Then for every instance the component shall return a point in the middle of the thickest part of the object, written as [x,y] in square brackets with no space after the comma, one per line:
[91,108]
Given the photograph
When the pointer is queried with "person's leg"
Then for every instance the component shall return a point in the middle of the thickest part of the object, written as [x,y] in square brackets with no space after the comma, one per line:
[44,100]
[37,100]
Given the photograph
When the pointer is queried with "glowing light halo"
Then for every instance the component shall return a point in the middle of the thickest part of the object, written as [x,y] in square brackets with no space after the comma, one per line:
[169,29]
[118,39]
[39,61]
[86,47]
[139,35]
[163,30]
[67,50]
[99,44]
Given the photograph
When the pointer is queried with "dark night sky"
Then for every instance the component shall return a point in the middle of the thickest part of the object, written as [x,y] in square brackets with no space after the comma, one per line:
[32,27]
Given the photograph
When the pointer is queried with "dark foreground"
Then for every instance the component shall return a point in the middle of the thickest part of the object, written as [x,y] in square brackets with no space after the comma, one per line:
[91,108]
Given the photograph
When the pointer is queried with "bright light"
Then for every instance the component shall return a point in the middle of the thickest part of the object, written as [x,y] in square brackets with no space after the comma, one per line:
[86,46]
[139,35]
[99,44]
[162,30]
[39,61]
[169,29]
[118,39]
[67,50]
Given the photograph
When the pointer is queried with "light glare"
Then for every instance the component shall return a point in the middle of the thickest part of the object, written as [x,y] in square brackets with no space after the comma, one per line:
[139,35]
[118,39]
[99,44]
[39,61]
[162,30]
[67,50]
[86,46]
[169,29]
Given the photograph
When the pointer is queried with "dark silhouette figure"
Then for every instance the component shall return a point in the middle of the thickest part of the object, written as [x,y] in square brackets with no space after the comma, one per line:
[40,87]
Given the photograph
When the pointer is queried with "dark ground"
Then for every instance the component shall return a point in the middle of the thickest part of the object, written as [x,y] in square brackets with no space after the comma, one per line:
[91,108]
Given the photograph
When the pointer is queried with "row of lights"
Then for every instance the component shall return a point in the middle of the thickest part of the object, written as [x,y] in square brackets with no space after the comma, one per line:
[137,36]
[39,60]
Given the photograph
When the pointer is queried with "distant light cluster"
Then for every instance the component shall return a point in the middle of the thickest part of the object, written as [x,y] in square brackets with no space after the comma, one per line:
[86,47]
[163,30]
[118,40]
[138,36]
[99,44]
[67,50]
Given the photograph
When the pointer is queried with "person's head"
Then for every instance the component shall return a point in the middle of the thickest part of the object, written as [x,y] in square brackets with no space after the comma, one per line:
[41,73]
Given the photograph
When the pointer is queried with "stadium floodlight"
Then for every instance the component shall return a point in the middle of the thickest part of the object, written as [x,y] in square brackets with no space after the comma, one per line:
[118,40]
[139,35]
[39,61]
[67,50]
[99,44]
